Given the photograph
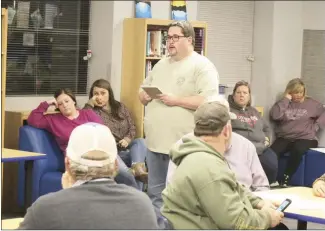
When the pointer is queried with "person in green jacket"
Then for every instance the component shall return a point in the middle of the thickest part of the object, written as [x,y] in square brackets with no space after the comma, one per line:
[204,193]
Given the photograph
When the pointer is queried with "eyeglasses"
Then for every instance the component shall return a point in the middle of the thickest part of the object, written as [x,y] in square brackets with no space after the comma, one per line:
[175,38]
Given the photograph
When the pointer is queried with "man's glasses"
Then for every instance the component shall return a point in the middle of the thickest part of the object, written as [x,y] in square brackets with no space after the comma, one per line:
[175,38]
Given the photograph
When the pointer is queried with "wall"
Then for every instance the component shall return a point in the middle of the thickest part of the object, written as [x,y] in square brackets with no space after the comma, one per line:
[278,34]
[278,31]
[277,48]
[314,15]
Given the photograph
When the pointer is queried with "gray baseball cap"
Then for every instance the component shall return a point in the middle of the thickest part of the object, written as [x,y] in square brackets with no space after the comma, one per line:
[212,116]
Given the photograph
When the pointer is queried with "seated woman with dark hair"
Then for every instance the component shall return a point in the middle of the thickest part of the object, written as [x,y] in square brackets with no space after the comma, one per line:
[60,116]
[118,118]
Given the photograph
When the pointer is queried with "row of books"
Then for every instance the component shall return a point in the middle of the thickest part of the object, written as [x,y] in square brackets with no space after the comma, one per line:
[199,41]
[149,67]
[157,43]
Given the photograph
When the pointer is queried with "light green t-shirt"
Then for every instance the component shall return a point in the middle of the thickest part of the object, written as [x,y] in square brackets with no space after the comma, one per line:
[193,75]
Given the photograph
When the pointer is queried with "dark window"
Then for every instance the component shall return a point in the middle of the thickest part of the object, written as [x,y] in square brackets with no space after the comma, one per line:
[47,41]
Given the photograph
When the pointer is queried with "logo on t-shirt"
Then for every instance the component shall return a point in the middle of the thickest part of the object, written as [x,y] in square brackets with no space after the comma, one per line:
[295,114]
[251,120]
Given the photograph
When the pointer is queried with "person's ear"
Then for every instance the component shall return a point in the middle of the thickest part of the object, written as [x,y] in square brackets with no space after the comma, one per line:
[116,164]
[190,39]
[227,130]
[67,164]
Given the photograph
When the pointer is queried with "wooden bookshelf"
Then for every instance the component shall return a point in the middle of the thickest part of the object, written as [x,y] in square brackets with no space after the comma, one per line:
[135,59]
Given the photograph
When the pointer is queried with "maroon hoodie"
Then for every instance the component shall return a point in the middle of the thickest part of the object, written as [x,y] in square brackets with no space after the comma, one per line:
[298,120]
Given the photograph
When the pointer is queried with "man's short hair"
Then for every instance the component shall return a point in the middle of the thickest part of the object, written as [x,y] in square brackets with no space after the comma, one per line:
[186,27]
[210,118]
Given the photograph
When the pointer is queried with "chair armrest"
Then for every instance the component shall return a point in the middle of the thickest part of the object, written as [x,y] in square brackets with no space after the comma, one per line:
[39,168]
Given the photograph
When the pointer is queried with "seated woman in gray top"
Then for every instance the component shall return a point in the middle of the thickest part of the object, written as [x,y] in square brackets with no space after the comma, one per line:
[251,125]
[297,118]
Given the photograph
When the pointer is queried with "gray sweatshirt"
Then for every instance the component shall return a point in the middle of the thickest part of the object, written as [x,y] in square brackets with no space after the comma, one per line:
[250,125]
[95,205]
[298,120]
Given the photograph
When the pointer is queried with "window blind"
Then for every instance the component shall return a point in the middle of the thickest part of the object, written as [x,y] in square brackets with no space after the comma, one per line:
[230,37]
[46,44]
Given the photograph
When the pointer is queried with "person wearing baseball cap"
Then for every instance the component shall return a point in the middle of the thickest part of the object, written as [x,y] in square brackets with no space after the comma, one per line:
[241,156]
[90,198]
[204,192]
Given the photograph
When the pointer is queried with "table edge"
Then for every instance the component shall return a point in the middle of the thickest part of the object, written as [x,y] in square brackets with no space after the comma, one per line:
[304,218]
[25,158]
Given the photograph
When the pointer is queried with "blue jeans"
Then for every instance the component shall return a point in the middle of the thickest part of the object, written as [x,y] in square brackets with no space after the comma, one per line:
[124,176]
[269,162]
[157,173]
[136,152]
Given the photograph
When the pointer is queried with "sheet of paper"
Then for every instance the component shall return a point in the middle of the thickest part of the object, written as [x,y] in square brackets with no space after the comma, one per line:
[276,197]
[319,149]
[310,205]
[297,201]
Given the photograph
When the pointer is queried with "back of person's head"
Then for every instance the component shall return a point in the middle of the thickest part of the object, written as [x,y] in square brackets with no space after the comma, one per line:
[92,152]
[212,116]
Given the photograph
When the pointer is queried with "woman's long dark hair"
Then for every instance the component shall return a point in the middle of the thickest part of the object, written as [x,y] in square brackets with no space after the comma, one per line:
[114,104]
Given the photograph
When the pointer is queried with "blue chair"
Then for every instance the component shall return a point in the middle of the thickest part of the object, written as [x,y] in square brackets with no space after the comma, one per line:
[298,179]
[47,173]
[315,166]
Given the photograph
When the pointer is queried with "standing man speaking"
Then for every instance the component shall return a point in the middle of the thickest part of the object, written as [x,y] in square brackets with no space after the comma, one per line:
[185,78]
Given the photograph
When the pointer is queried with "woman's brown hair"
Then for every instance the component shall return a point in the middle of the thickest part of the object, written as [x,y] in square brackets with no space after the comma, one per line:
[114,104]
[246,84]
[66,91]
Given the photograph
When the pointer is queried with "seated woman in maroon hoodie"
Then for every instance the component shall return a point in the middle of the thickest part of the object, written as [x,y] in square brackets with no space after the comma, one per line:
[60,116]
[297,118]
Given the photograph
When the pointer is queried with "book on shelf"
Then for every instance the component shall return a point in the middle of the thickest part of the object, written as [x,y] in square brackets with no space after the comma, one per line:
[199,41]
[157,43]
[148,68]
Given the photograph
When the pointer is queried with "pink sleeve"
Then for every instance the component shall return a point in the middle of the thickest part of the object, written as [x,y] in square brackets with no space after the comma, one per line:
[260,181]
[37,119]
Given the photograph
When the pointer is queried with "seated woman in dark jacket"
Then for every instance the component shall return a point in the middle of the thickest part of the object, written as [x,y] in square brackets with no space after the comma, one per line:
[60,116]
[252,126]
[118,118]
